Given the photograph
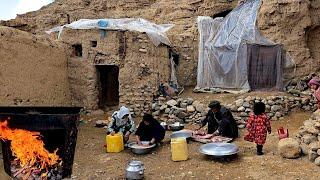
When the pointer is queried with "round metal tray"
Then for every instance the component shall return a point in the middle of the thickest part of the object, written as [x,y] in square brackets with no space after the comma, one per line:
[219,149]
[181,133]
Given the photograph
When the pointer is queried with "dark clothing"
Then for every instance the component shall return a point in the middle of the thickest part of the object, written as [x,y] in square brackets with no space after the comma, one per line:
[154,130]
[222,121]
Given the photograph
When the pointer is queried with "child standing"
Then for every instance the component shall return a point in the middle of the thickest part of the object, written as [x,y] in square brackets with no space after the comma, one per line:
[315,87]
[258,125]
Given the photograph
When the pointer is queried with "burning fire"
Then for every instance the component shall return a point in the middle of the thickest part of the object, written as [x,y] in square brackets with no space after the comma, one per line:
[28,148]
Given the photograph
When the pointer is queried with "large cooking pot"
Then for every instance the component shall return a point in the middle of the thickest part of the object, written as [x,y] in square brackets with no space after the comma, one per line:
[135,170]
[137,149]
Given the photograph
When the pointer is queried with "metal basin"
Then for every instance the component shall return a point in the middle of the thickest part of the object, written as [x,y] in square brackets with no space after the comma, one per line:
[136,149]
[176,127]
[219,149]
[182,133]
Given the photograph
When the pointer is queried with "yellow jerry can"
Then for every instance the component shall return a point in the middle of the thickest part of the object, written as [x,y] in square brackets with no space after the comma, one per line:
[179,149]
[114,143]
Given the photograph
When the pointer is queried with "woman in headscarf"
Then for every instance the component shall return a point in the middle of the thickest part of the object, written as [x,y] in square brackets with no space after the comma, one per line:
[122,122]
[314,85]
[149,130]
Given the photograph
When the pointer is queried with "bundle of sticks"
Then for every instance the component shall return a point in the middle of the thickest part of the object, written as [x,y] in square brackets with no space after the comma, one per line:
[29,172]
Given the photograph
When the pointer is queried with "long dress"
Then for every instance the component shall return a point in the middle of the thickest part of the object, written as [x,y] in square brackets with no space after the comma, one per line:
[258,126]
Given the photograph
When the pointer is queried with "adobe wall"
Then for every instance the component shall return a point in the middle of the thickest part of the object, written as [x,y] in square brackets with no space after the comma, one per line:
[142,66]
[33,70]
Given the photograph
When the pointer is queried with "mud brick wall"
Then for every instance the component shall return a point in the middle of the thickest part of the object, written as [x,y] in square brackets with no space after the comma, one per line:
[142,66]
[33,70]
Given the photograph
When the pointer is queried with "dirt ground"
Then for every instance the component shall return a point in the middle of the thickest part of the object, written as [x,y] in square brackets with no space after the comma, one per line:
[92,162]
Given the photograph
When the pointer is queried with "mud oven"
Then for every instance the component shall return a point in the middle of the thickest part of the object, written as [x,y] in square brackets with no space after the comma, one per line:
[57,129]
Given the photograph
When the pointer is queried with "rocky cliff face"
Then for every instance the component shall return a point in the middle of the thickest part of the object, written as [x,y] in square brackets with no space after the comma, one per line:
[292,23]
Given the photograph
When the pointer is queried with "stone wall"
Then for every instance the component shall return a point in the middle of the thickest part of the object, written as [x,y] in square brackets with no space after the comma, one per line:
[33,70]
[142,66]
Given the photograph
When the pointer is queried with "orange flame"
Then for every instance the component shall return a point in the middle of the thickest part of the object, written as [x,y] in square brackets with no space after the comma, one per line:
[28,147]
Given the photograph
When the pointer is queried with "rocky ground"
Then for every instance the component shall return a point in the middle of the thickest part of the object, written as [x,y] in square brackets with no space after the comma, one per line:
[91,161]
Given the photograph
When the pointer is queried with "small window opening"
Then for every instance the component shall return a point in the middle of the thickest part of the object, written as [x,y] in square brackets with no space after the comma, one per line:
[77,50]
[94,43]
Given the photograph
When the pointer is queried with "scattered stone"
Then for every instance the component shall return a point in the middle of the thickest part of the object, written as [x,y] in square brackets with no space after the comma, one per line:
[172,103]
[317,161]
[241,109]
[190,109]
[189,101]
[183,105]
[239,102]
[289,148]
[101,123]
[312,155]
[314,146]
[275,108]
[308,138]
[246,105]
[97,112]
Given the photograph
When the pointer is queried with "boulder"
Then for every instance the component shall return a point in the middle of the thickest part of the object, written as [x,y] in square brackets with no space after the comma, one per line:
[199,106]
[239,102]
[182,115]
[289,148]
[156,113]
[308,138]
[304,148]
[246,105]
[241,109]
[190,109]
[312,155]
[189,101]
[167,110]
[317,161]
[172,103]
[313,130]
[275,108]
[314,146]
[163,107]
[183,105]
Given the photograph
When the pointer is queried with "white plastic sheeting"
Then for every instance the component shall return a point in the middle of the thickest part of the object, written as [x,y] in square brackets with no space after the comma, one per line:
[222,47]
[157,33]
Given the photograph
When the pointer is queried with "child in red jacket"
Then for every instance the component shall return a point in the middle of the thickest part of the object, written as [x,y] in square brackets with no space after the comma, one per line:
[258,125]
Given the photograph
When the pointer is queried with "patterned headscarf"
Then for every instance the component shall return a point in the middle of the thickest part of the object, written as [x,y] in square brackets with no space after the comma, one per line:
[314,82]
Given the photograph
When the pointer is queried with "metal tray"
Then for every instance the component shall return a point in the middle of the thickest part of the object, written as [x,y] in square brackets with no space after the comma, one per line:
[219,149]
[181,133]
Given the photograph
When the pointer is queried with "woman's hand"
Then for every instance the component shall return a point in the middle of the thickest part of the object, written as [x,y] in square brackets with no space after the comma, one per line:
[112,133]
[127,134]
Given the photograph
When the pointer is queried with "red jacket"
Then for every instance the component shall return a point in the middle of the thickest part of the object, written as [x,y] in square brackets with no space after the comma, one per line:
[258,126]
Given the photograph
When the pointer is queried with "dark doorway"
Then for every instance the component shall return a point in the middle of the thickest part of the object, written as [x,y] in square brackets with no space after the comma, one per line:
[222,14]
[108,85]
[265,66]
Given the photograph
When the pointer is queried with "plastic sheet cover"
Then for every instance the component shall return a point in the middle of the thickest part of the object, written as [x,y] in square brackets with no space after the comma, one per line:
[222,47]
[157,33]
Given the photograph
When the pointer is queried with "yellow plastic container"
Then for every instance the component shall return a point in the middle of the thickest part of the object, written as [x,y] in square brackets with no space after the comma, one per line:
[179,149]
[114,143]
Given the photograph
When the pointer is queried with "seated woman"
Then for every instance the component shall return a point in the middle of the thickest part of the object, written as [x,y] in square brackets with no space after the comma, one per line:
[122,122]
[150,130]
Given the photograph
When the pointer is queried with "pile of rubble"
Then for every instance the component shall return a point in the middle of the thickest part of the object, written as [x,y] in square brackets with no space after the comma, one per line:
[309,138]
[179,110]
[297,87]
[276,106]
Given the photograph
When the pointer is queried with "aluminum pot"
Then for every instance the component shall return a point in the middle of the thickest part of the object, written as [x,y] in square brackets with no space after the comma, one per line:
[135,170]
[176,127]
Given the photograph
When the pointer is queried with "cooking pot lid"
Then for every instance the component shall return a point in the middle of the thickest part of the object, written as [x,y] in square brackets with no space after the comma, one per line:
[135,163]
[219,149]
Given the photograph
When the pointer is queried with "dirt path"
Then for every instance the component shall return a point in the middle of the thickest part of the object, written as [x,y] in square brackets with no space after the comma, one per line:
[92,162]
